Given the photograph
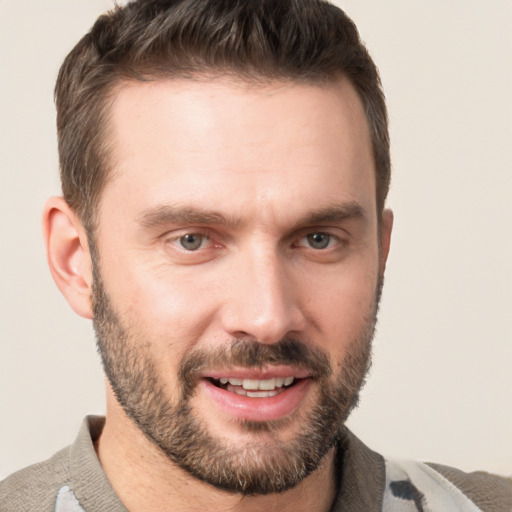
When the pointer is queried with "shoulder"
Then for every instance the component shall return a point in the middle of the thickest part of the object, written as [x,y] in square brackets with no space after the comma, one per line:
[491,493]
[436,487]
[35,487]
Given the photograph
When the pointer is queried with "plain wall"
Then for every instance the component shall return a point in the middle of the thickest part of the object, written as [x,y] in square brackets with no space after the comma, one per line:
[440,387]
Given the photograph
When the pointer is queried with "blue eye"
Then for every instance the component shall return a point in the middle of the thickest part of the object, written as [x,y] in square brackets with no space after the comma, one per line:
[319,240]
[191,241]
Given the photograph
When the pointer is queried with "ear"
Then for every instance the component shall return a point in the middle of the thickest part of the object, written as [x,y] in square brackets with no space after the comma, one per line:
[386,227]
[68,254]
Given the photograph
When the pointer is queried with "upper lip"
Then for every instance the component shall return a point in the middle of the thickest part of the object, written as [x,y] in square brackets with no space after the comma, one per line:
[267,372]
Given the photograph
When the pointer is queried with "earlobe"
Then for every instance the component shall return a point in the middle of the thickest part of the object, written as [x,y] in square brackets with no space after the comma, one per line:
[385,237]
[68,254]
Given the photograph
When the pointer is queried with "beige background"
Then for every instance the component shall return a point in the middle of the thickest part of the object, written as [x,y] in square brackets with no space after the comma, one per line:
[440,388]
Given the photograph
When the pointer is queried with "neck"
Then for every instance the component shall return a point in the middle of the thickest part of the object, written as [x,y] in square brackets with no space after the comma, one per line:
[146,480]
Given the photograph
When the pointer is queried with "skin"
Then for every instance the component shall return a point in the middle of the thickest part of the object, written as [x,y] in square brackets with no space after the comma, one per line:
[266,158]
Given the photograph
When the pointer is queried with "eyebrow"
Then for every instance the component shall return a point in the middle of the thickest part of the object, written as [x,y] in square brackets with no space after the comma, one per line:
[163,215]
[334,213]
[168,214]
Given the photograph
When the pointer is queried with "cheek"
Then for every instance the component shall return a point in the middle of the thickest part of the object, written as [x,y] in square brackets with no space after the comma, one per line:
[342,307]
[169,311]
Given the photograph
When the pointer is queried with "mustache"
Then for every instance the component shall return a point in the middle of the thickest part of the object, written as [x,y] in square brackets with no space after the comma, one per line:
[250,353]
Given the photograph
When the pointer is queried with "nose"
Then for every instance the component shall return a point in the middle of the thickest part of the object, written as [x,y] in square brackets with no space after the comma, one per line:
[263,302]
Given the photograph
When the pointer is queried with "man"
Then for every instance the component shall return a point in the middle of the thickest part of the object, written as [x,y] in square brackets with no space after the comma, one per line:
[225,167]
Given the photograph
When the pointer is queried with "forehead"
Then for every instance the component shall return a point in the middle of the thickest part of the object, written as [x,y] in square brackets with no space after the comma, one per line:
[237,145]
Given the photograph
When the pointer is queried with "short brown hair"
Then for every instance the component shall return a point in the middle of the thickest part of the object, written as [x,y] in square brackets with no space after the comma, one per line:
[309,41]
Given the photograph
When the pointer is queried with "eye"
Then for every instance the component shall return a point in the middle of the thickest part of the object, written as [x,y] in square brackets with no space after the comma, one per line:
[319,240]
[192,241]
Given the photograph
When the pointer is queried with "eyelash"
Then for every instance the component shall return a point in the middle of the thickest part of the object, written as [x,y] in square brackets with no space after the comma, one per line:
[332,238]
[176,240]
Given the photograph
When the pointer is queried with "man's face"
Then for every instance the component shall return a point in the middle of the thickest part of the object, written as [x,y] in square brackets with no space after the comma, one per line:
[237,272]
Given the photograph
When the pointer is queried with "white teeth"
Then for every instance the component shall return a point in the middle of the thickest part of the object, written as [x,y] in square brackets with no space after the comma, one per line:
[279,382]
[267,384]
[261,394]
[250,384]
[258,384]
[252,394]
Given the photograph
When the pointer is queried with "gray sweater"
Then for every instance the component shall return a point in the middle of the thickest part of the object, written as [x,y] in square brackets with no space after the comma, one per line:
[73,481]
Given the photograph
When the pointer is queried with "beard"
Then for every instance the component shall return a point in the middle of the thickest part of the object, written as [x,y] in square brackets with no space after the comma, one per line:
[262,466]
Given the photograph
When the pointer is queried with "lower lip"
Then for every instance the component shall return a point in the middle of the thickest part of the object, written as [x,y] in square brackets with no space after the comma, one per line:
[258,409]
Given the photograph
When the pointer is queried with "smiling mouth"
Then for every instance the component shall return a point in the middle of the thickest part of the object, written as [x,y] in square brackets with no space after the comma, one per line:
[255,388]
